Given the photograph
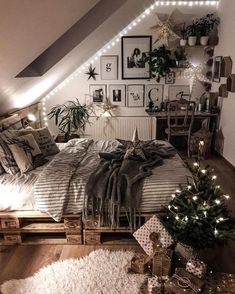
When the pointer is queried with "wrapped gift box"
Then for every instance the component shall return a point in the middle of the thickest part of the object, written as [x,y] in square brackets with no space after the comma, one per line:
[196,267]
[184,253]
[183,282]
[161,264]
[153,225]
[139,263]
[156,285]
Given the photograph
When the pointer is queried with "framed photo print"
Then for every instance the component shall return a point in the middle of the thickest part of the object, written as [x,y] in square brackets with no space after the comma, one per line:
[170,78]
[98,93]
[217,69]
[133,65]
[109,67]
[135,95]
[154,93]
[117,94]
[176,92]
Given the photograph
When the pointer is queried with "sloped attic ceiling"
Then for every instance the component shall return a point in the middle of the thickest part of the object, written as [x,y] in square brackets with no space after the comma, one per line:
[28,28]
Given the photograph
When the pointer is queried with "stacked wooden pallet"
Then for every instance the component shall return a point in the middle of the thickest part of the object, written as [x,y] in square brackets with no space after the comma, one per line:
[33,227]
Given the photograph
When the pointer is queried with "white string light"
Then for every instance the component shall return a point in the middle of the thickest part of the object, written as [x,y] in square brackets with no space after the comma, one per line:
[116,40]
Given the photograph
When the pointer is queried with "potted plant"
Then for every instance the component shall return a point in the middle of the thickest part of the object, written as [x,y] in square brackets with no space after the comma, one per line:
[206,25]
[180,57]
[159,61]
[192,33]
[183,40]
[70,117]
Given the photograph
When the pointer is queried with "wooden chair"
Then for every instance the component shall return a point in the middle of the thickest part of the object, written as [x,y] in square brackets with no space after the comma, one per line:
[180,114]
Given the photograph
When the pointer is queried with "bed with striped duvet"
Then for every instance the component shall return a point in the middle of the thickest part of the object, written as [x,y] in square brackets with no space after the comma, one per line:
[60,187]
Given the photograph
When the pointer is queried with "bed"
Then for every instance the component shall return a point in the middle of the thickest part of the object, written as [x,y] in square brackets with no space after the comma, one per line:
[24,215]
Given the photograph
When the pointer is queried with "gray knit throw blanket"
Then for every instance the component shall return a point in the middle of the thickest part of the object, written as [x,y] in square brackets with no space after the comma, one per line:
[117,184]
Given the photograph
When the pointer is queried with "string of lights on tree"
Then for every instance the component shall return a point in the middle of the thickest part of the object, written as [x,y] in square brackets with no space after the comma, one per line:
[197,215]
[116,41]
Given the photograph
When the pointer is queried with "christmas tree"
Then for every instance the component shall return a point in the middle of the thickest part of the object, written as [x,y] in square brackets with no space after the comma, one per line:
[197,215]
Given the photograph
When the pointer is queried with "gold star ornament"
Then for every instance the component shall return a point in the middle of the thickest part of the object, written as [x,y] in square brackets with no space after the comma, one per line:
[134,148]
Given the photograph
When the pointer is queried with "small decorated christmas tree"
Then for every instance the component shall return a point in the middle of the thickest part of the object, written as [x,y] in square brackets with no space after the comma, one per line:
[197,215]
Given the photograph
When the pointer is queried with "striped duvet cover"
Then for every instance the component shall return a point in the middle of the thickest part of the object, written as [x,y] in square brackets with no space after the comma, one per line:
[60,187]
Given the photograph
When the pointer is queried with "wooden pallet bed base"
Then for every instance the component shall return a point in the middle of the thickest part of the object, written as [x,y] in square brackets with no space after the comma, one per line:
[93,234]
[35,227]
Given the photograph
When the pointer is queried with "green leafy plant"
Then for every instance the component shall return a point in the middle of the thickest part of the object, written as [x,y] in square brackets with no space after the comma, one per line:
[193,30]
[159,61]
[180,54]
[197,216]
[207,23]
[70,117]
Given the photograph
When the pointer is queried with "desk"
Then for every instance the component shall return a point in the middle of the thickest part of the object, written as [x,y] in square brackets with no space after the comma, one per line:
[161,121]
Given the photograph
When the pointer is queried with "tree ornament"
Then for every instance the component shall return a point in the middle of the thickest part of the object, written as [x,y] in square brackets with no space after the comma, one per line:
[91,73]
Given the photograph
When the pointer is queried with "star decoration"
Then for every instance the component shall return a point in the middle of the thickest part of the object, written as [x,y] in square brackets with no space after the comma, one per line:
[91,73]
[107,107]
[163,30]
[134,147]
[194,73]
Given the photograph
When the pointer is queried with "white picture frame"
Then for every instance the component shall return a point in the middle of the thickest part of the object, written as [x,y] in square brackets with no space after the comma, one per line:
[98,93]
[154,93]
[173,92]
[109,67]
[135,95]
[117,94]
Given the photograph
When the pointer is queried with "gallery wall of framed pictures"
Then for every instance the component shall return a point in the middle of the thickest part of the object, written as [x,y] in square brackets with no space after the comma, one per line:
[121,77]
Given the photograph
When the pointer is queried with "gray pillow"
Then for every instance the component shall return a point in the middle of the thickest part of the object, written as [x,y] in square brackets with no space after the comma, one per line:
[12,122]
[44,140]
[27,153]
[6,158]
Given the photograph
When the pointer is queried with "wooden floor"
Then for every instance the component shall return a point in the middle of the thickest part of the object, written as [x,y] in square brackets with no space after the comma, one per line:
[22,261]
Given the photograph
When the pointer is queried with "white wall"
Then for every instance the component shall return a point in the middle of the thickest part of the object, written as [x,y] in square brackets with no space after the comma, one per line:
[226,47]
[79,87]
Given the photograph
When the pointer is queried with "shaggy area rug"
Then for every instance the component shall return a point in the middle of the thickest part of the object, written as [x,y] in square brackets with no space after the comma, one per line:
[101,272]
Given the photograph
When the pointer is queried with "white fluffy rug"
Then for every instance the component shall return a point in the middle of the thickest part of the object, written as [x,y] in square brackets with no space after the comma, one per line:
[101,272]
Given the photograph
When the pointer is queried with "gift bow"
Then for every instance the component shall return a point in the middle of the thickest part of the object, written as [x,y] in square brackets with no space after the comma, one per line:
[186,283]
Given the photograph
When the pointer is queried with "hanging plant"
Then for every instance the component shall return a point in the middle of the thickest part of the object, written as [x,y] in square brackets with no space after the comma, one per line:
[159,62]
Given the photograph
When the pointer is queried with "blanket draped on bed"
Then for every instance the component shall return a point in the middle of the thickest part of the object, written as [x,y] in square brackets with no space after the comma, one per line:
[117,183]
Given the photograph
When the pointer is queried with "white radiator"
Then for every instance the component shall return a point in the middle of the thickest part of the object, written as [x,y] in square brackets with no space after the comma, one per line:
[108,128]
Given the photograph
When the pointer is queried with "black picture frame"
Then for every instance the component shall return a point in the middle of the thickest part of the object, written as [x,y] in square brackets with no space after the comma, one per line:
[133,67]
[217,69]
[170,78]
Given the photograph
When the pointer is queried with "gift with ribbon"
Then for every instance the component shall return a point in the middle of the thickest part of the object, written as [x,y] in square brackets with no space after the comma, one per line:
[196,267]
[153,225]
[183,282]
[139,263]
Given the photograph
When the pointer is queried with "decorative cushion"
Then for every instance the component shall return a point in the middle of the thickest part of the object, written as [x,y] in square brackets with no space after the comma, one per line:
[44,140]
[11,122]
[26,152]
[6,157]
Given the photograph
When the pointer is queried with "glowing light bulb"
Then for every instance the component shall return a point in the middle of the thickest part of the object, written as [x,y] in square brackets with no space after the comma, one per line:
[214,177]
[203,171]
[227,197]
[173,196]
[196,164]
[189,187]
[217,201]
[177,217]
[195,198]
[216,232]
[178,191]
[169,207]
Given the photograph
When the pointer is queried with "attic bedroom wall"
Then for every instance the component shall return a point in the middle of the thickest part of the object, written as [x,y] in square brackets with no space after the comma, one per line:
[79,86]
[226,47]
